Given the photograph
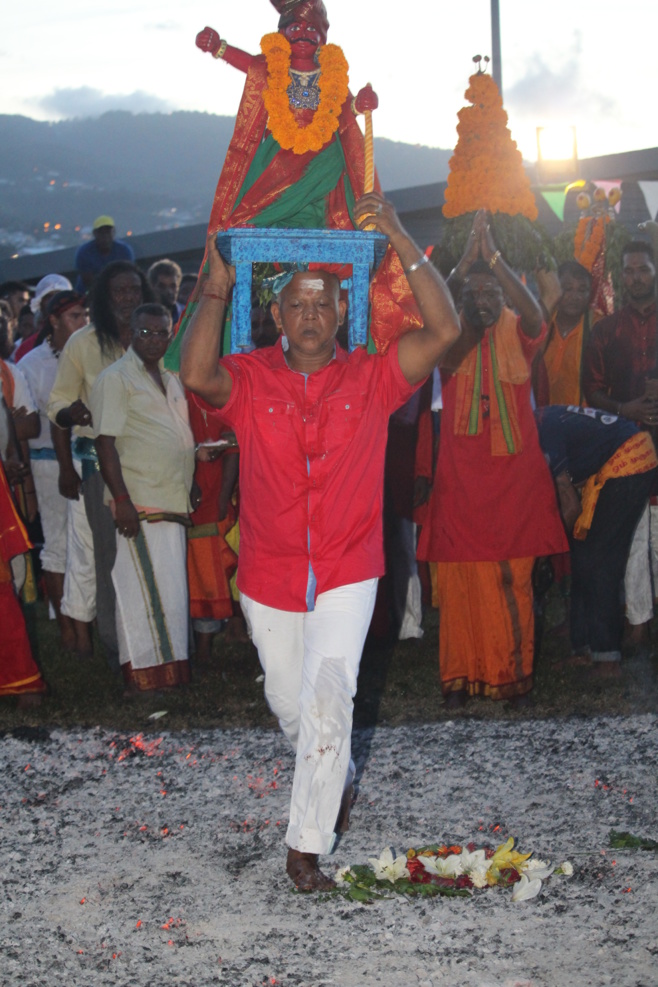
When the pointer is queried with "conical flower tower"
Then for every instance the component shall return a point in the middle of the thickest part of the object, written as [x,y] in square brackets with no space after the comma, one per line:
[486,170]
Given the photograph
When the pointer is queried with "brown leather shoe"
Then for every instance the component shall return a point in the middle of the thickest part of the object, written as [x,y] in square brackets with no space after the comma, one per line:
[303,870]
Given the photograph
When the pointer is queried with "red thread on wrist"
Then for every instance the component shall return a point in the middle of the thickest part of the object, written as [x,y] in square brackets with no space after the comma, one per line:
[117,500]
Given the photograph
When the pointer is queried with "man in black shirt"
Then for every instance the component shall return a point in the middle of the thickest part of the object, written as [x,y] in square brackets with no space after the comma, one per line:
[616,463]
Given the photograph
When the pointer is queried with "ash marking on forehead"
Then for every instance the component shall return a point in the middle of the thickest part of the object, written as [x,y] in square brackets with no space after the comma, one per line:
[314,284]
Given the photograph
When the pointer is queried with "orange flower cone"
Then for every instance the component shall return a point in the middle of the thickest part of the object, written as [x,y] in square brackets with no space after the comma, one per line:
[486,170]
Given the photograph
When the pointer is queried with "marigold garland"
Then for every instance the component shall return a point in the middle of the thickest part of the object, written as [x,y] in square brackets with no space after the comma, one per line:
[486,170]
[333,93]
[589,240]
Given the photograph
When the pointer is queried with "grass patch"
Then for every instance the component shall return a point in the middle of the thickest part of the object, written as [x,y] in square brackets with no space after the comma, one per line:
[398,683]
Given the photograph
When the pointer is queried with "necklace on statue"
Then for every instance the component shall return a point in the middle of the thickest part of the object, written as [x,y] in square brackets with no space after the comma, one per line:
[304,91]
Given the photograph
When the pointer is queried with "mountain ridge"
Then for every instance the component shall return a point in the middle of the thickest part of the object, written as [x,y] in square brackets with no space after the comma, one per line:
[148,170]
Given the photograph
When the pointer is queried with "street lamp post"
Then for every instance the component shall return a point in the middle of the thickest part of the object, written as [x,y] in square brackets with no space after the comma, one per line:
[496,61]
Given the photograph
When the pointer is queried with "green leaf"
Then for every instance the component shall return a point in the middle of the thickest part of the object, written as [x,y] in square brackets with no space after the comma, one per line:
[626,841]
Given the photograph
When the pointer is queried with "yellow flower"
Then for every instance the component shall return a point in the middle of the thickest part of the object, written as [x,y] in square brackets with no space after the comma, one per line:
[505,856]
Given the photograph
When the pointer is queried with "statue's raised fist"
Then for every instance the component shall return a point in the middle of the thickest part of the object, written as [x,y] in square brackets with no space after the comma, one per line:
[208,40]
[366,100]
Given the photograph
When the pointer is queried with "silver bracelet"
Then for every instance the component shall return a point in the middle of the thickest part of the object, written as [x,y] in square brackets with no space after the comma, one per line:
[419,263]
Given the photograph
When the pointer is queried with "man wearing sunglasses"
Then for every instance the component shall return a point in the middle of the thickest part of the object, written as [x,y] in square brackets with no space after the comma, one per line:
[146,455]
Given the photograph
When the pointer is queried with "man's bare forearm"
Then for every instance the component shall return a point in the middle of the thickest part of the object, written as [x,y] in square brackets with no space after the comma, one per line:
[522,300]
[200,351]
[110,465]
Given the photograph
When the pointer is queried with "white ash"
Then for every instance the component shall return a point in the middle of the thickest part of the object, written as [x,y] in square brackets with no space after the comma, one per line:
[166,865]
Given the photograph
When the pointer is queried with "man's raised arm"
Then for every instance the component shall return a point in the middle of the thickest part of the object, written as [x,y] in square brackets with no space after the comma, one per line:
[419,351]
[200,370]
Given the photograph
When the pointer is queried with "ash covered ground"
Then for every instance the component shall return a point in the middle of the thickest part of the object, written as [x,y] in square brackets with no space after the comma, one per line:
[159,859]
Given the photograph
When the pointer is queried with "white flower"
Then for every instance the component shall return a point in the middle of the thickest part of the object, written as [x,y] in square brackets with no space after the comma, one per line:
[450,866]
[566,868]
[388,867]
[341,875]
[476,866]
[525,889]
[538,870]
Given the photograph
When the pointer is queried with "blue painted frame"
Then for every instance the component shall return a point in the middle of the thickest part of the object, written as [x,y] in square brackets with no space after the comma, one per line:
[242,247]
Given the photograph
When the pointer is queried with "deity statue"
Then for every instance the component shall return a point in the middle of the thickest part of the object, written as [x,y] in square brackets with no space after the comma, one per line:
[296,159]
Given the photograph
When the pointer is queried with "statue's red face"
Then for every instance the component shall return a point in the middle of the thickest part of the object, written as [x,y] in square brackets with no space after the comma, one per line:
[305,38]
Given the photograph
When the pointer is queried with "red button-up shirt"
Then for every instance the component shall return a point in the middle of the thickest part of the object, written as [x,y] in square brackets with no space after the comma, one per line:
[311,469]
[622,351]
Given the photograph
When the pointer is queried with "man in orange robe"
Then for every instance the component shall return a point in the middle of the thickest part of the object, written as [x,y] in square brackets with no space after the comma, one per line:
[493,508]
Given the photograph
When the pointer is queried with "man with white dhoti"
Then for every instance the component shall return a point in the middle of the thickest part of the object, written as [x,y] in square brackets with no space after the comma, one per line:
[146,454]
[67,556]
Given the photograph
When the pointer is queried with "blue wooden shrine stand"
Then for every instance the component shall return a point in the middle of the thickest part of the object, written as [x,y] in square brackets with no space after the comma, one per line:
[243,247]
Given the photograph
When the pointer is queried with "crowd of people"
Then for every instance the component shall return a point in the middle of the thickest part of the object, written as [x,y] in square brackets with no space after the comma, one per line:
[130,482]
[146,488]
[300,493]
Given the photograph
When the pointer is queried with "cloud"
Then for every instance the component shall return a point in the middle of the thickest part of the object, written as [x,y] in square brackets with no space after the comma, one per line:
[88,102]
[553,92]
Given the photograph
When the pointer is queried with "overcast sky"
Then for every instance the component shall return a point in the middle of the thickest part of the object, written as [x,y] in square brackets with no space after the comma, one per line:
[568,62]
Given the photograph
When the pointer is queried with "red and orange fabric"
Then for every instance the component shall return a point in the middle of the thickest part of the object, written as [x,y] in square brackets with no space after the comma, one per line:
[492,511]
[486,631]
[18,671]
[210,560]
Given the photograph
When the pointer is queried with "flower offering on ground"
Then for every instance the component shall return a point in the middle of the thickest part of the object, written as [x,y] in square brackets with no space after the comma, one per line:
[441,869]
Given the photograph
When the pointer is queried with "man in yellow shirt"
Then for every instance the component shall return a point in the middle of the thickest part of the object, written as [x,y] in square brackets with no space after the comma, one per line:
[117,291]
[146,454]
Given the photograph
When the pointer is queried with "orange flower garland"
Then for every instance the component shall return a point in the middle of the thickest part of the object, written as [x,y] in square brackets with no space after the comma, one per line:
[589,240]
[486,170]
[333,93]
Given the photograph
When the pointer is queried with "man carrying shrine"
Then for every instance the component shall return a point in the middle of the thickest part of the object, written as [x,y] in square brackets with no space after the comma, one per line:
[311,423]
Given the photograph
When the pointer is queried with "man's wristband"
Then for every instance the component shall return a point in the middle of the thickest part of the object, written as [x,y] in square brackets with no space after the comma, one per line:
[221,51]
[494,260]
[419,263]
[121,497]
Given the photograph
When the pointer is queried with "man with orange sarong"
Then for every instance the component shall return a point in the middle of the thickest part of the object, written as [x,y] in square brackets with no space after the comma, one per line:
[493,508]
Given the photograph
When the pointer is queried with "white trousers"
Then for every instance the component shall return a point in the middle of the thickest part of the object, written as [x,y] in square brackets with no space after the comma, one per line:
[53,509]
[79,599]
[311,662]
[642,568]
